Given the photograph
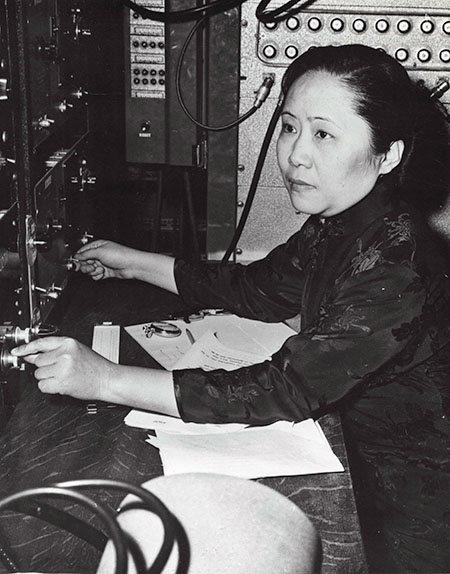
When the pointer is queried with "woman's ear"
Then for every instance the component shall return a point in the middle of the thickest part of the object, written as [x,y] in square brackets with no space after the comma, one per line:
[392,157]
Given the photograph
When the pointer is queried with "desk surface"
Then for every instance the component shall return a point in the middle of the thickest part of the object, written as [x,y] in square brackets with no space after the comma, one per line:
[52,439]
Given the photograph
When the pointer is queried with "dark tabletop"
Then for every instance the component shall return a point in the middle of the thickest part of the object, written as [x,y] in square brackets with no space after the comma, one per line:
[51,439]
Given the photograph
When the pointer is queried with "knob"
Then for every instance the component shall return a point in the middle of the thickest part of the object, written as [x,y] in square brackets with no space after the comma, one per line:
[14,335]
[42,242]
[45,122]
[3,89]
[86,238]
[52,292]
[8,361]
[64,106]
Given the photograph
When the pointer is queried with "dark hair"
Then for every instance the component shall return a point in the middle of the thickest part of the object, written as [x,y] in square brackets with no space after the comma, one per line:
[395,108]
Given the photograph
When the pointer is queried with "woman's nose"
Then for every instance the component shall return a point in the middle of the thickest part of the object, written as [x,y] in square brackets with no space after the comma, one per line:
[300,154]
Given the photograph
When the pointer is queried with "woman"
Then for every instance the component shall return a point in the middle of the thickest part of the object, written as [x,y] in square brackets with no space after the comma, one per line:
[366,278]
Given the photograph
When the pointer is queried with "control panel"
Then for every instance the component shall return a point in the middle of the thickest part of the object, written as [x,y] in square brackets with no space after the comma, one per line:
[157,129]
[418,42]
[45,171]
[417,36]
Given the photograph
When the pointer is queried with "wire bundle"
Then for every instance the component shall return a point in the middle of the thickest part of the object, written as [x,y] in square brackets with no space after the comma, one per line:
[26,501]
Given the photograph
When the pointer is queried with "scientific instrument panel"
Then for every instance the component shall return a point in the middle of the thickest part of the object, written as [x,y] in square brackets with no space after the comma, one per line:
[44,168]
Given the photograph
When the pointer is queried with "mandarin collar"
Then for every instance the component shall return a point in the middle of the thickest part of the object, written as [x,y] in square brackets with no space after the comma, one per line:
[359,216]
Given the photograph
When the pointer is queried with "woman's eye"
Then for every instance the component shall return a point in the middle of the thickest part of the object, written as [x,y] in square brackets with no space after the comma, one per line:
[322,134]
[287,128]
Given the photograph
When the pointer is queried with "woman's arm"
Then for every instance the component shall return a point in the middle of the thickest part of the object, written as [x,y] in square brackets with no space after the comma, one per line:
[372,319]
[65,366]
[103,259]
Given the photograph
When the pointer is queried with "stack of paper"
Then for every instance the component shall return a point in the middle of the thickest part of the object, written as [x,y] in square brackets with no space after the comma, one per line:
[280,449]
[229,342]
[253,339]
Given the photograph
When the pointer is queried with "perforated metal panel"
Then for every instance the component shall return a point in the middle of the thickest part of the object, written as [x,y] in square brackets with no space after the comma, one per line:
[416,34]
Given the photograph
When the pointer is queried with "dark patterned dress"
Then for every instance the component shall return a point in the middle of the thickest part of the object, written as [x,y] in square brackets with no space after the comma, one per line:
[372,288]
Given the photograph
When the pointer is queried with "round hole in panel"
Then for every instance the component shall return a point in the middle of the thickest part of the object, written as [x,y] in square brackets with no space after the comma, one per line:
[424,55]
[269,51]
[402,54]
[404,26]
[427,26]
[291,52]
[445,56]
[292,23]
[337,24]
[446,27]
[314,24]
[359,25]
[270,25]
[382,25]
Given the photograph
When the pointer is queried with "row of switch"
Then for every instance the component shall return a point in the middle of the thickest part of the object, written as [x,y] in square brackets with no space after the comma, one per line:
[148,82]
[152,45]
[151,72]
[360,25]
[423,55]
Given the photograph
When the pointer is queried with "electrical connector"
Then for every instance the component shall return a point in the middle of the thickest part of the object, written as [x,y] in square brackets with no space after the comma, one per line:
[264,90]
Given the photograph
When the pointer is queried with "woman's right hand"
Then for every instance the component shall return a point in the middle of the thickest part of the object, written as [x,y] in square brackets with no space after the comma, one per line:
[104,259]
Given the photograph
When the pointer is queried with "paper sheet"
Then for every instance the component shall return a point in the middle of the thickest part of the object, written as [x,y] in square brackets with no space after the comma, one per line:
[155,421]
[281,449]
[209,353]
[246,335]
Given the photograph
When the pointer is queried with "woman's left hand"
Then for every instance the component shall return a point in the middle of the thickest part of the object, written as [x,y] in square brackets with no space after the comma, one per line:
[65,366]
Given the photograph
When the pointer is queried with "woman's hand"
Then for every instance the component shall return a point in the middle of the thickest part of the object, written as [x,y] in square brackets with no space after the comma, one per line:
[103,259]
[66,367]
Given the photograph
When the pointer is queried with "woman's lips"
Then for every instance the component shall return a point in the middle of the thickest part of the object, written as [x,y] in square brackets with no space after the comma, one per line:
[299,184]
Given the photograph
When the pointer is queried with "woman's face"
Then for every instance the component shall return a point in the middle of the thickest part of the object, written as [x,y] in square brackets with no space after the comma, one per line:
[323,150]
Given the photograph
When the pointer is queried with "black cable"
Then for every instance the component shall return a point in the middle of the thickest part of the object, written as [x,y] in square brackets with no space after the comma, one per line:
[62,519]
[104,513]
[68,489]
[255,180]
[183,15]
[261,95]
[153,504]
[280,13]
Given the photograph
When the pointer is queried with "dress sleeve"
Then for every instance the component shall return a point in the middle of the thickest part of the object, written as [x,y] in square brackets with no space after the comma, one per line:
[269,290]
[367,321]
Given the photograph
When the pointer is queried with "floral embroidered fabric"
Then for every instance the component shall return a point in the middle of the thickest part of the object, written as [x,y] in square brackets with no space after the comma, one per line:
[372,288]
